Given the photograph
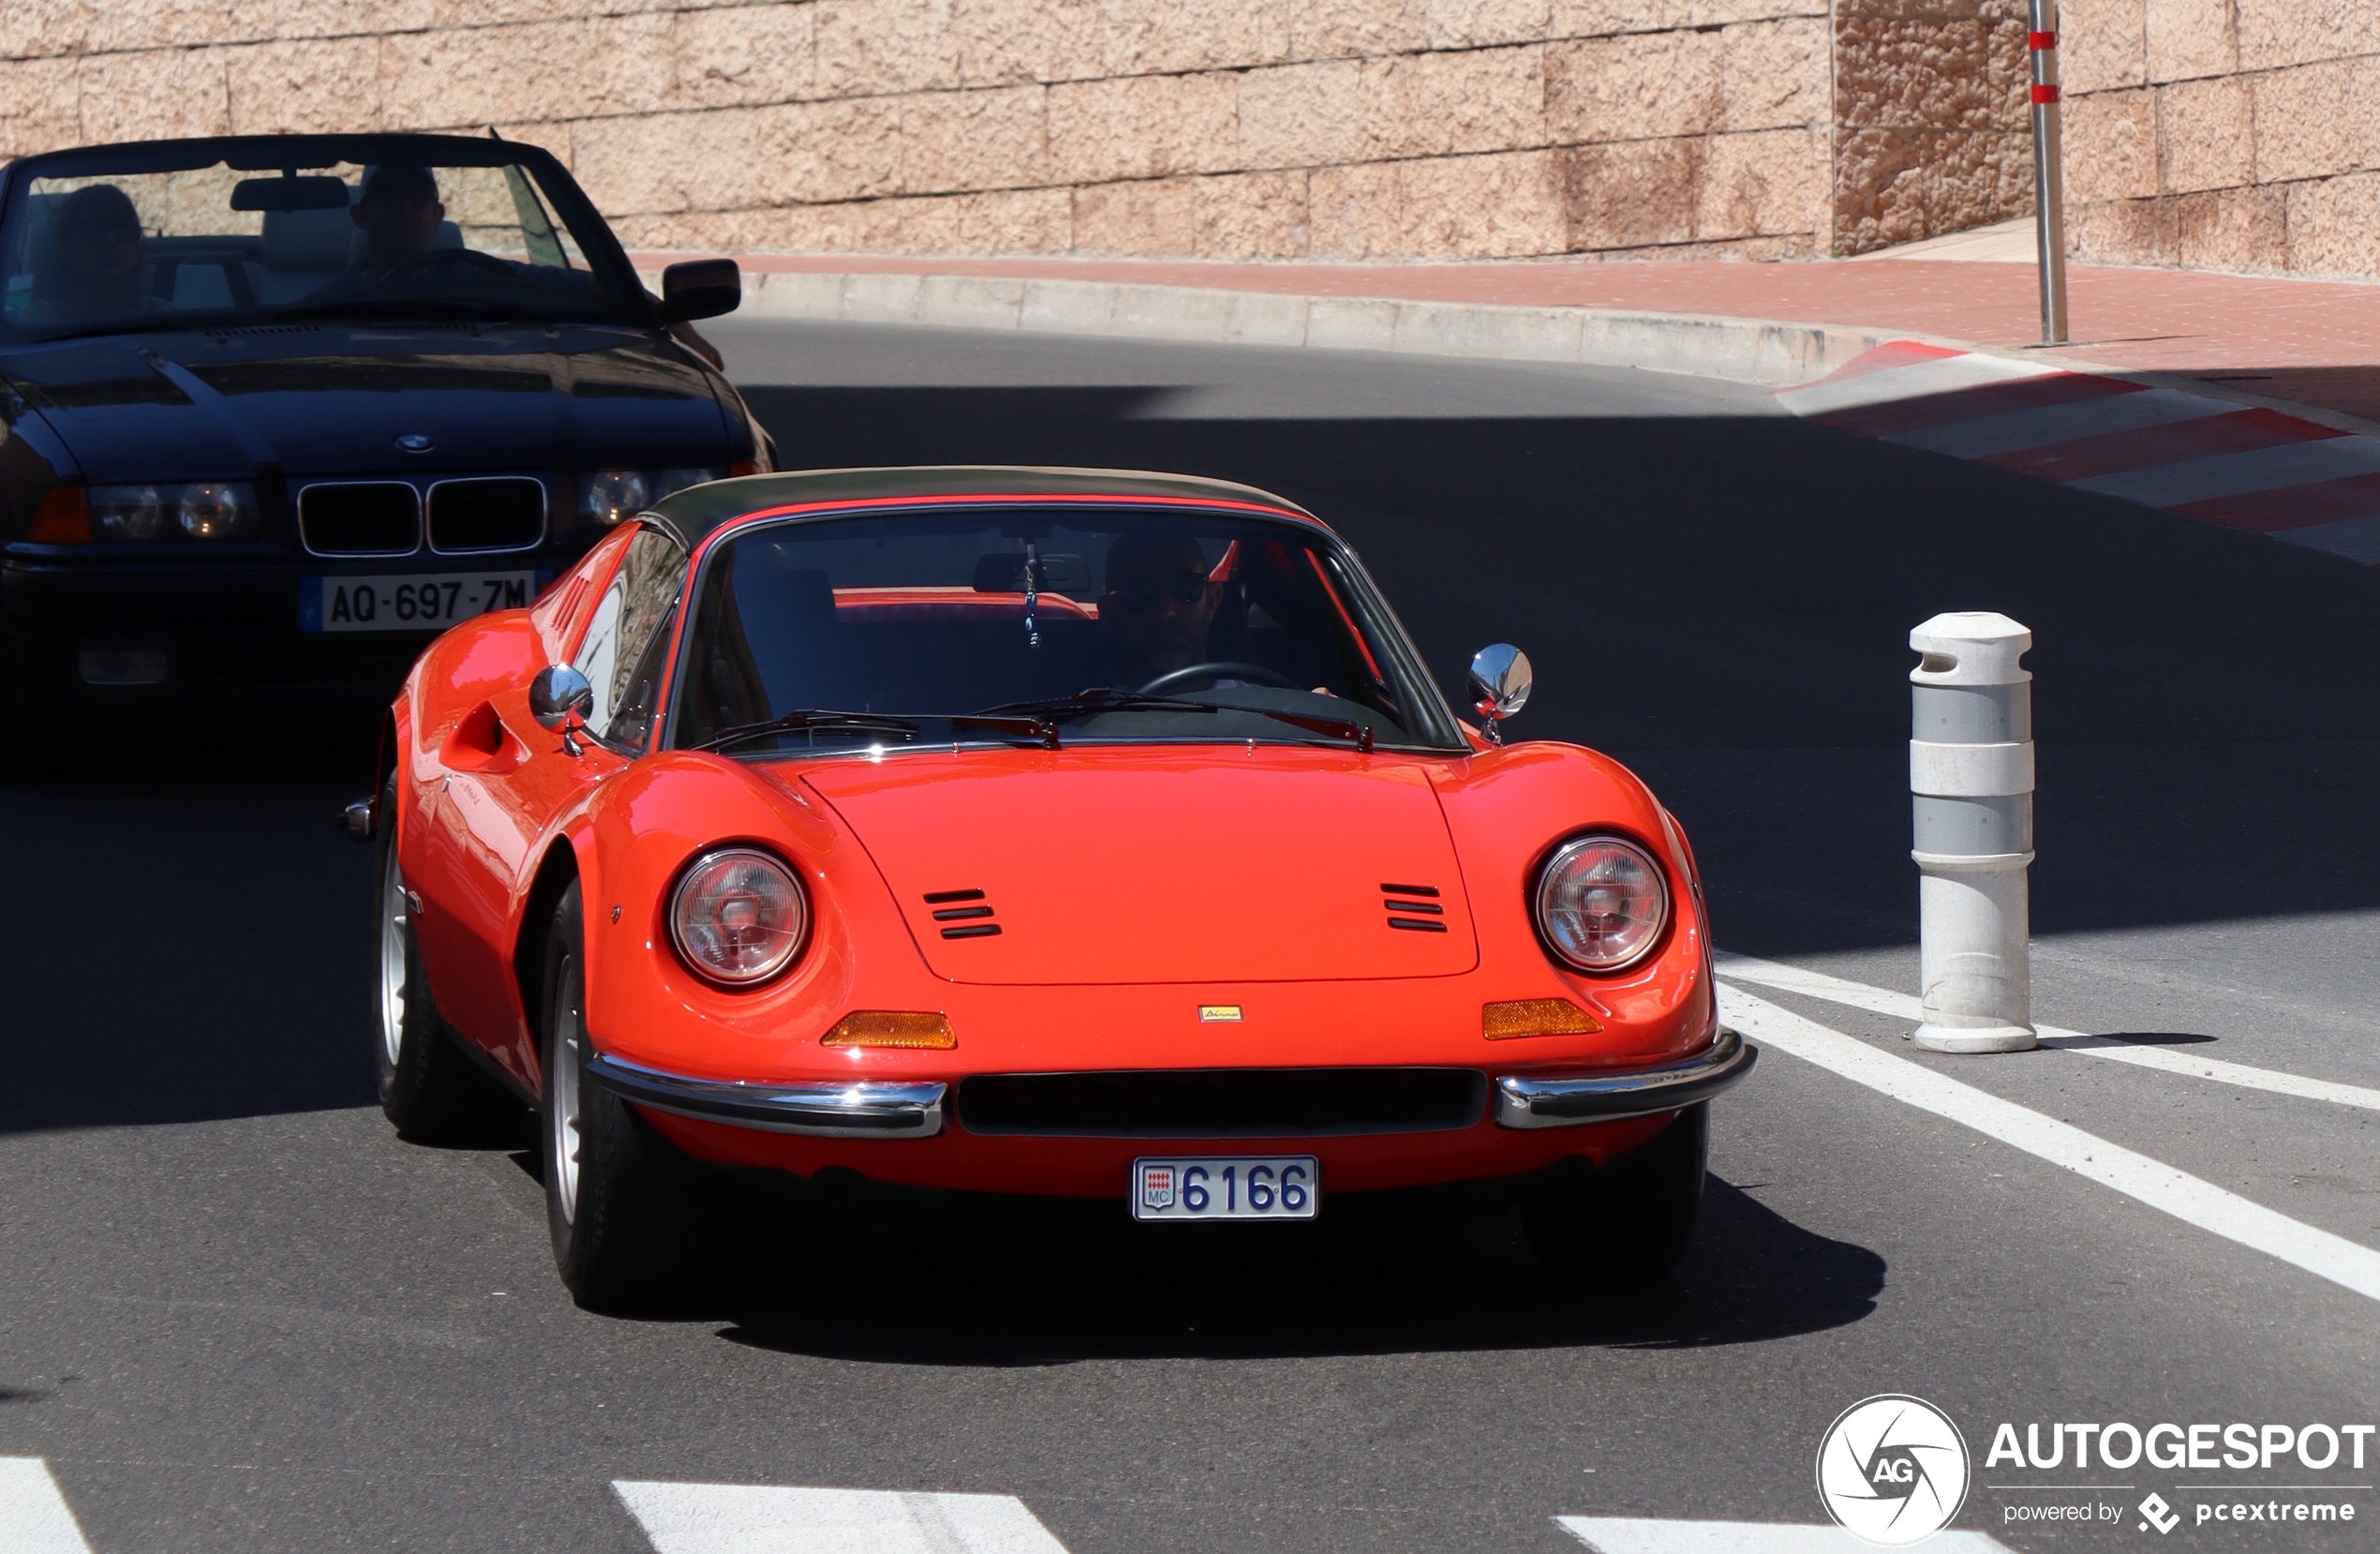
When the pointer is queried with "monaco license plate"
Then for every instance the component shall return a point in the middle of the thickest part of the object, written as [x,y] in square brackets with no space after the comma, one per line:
[1227,1187]
[430,600]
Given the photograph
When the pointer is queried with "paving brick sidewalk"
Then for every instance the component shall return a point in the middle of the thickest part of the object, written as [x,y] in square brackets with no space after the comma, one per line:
[2314,343]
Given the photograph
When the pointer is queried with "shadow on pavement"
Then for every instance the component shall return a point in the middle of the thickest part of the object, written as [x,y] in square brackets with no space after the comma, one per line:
[1726,604]
[1751,1276]
[187,937]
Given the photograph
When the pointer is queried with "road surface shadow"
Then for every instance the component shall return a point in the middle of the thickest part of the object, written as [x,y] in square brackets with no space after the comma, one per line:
[2160,1039]
[188,939]
[1751,1276]
[1726,604]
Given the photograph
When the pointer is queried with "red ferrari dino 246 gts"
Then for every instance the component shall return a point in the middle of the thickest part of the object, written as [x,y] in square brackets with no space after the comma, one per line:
[1053,832]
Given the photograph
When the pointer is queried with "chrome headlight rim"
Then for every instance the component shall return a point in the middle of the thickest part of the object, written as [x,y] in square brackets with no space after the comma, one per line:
[694,871]
[175,511]
[1549,871]
[609,498]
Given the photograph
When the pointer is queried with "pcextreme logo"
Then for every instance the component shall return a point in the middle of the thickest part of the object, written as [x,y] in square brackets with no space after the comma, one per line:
[1893,1470]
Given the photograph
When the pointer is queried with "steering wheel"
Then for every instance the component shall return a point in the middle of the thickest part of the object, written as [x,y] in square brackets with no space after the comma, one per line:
[404,267]
[1213,669]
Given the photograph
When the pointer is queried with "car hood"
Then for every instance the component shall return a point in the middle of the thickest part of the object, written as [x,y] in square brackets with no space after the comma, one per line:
[1207,866]
[334,399]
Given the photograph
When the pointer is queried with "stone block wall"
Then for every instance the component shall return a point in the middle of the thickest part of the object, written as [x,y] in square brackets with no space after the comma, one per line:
[1933,118]
[2224,134]
[2237,134]
[1213,128]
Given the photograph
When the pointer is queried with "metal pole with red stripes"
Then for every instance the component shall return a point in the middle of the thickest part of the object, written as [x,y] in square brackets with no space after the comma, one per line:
[2049,178]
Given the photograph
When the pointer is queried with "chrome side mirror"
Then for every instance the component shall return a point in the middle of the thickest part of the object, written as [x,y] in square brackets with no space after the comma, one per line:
[560,698]
[1500,685]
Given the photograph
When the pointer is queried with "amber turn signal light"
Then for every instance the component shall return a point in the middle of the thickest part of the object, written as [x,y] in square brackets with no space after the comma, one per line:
[62,518]
[1536,1017]
[890,1028]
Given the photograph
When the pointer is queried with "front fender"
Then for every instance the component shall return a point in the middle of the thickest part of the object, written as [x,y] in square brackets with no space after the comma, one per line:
[1506,810]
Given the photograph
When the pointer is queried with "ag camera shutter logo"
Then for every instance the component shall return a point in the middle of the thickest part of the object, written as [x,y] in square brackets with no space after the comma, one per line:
[1893,1470]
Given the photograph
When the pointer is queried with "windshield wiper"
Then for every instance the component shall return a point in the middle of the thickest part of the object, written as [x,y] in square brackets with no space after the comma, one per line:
[1358,734]
[1041,731]
[1089,703]
[1085,704]
[811,718]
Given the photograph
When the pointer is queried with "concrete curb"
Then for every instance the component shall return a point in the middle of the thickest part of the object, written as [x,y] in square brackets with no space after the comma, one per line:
[1751,351]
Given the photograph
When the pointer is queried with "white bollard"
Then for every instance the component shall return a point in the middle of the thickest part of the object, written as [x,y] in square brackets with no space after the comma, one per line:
[1971,778]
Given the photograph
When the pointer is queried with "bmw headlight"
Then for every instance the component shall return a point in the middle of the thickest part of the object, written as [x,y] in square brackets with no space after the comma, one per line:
[216,510]
[1600,902]
[201,510]
[738,917]
[611,496]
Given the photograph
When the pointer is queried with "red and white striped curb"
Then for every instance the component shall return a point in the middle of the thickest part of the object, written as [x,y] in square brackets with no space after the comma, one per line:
[2246,465]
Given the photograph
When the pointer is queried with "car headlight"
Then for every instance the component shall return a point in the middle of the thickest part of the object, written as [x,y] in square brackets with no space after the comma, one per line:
[201,510]
[216,510]
[611,496]
[1600,902]
[738,917]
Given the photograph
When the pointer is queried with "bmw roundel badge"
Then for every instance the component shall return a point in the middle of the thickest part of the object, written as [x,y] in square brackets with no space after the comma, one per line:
[415,442]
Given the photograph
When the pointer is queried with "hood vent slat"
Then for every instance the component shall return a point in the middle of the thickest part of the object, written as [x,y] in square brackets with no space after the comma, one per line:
[960,914]
[1420,913]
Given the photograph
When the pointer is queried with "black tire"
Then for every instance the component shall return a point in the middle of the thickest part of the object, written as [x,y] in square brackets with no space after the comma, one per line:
[1628,1223]
[608,1186]
[429,1088]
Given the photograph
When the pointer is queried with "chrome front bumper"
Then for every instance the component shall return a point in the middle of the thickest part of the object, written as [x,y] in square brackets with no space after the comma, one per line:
[870,1110]
[1568,1101]
[855,1111]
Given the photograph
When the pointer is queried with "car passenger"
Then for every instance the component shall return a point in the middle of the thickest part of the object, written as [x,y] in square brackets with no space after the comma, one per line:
[398,215]
[1159,606]
[99,258]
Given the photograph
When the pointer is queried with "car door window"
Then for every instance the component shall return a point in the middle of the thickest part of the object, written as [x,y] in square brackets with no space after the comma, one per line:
[626,640]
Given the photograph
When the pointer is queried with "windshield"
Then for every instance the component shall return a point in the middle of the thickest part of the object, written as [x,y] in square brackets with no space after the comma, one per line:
[1077,625]
[103,252]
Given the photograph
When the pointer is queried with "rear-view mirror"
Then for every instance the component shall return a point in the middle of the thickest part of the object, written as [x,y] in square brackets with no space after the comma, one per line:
[289,194]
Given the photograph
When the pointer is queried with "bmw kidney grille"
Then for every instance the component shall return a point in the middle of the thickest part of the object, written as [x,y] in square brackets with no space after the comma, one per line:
[359,517]
[487,515]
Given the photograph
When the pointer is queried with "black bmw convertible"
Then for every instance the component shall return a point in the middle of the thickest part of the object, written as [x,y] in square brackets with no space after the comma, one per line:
[275,410]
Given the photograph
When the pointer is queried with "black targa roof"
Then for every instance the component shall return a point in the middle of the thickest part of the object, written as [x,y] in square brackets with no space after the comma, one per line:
[694,513]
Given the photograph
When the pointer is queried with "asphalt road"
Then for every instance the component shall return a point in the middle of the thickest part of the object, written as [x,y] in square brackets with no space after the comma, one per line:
[237,1314]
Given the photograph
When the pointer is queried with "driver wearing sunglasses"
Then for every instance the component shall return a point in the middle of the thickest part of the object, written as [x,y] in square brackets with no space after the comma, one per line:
[1159,606]
[399,213]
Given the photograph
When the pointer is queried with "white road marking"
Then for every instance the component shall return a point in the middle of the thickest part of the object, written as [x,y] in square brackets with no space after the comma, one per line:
[2161,1187]
[753,1518]
[2356,538]
[1936,375]
[1902,1005]
[2171,483]
[33,1515]
[1631,1536]
[2045,426]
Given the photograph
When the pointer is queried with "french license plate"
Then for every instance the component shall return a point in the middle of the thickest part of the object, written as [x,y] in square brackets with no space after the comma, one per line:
[1227,1187]
[430,600]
